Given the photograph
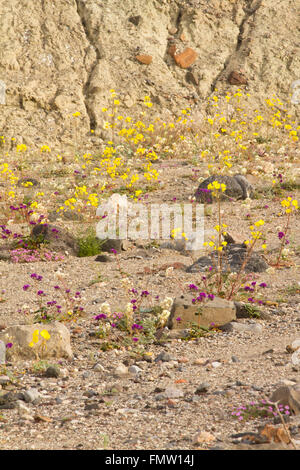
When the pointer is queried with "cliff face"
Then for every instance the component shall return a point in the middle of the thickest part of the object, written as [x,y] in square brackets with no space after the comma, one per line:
[59,57]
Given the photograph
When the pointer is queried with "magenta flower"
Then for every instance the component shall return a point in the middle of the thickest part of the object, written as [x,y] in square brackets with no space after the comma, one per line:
[9,345]
[280,235]
[26,287]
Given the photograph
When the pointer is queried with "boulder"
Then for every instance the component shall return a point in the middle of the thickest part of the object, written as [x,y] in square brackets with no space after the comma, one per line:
[237,187]
[288,396]
[233,257]
[218,311]
[58,346]
[56,238]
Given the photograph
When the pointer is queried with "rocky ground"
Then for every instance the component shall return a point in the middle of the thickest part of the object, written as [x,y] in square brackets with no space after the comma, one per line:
[182,393]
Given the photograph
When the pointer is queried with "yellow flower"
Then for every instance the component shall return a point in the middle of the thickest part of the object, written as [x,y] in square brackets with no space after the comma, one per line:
[45,334]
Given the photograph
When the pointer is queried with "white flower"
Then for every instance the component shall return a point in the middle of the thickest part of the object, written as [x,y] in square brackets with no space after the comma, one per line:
[105,308]
[169,271]
[285,252]
[166,303]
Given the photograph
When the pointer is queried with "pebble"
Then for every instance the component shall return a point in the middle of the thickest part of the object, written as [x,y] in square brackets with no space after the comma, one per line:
[121,371]
[135,369]
[216,364]
[202,388]
[52,371]
[2,352]
[235,359]
[32,395]
[173,392]
[164,357]
[99,367]
[4,379]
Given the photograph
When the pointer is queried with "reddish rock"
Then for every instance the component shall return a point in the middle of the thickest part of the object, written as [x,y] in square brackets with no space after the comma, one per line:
[144,59]
[186,58]
[237,78]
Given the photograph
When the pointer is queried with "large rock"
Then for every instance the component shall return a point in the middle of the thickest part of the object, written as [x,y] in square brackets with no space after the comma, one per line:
[237,187]
[218,311]
[288,396]
[56,238]
[233,258]
[58,57]
[58,346]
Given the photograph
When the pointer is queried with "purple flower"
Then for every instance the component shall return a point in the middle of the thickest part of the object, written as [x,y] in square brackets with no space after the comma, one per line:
[9,345]
[250,299]
[178,319]
[40,292]
[263,284]
[211,296]
[145,293]
[113,251]
[193,287]
[280,235]
[100,316]
[135,339]
[26,287]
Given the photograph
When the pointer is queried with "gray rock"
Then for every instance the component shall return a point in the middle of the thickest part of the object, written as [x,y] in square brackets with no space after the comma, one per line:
[2,352]
[31,395]
[202,388]
[52,371]
[242,327]
[237,187]
[233,257]
[164,357]
[23,181]
[56,238]
[135,369]
[235,359]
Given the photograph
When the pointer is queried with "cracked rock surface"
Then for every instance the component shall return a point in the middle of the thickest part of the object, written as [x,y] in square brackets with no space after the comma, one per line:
[57,58]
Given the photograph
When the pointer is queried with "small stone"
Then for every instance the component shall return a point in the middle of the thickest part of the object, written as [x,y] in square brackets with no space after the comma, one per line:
[203,437]
[4,379]
[183,360]
[163,356]
[31,395]
[144,59]
[173,392]
[202,388]
[192,78]
[216,364]
[52,371]
[2,352]
[235,359]
[135,20]
[135,369]
[237,78]
[172,30]
[186,58]
[91,406]
[99,367]
[121,371]
[201,362]
[103,259]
